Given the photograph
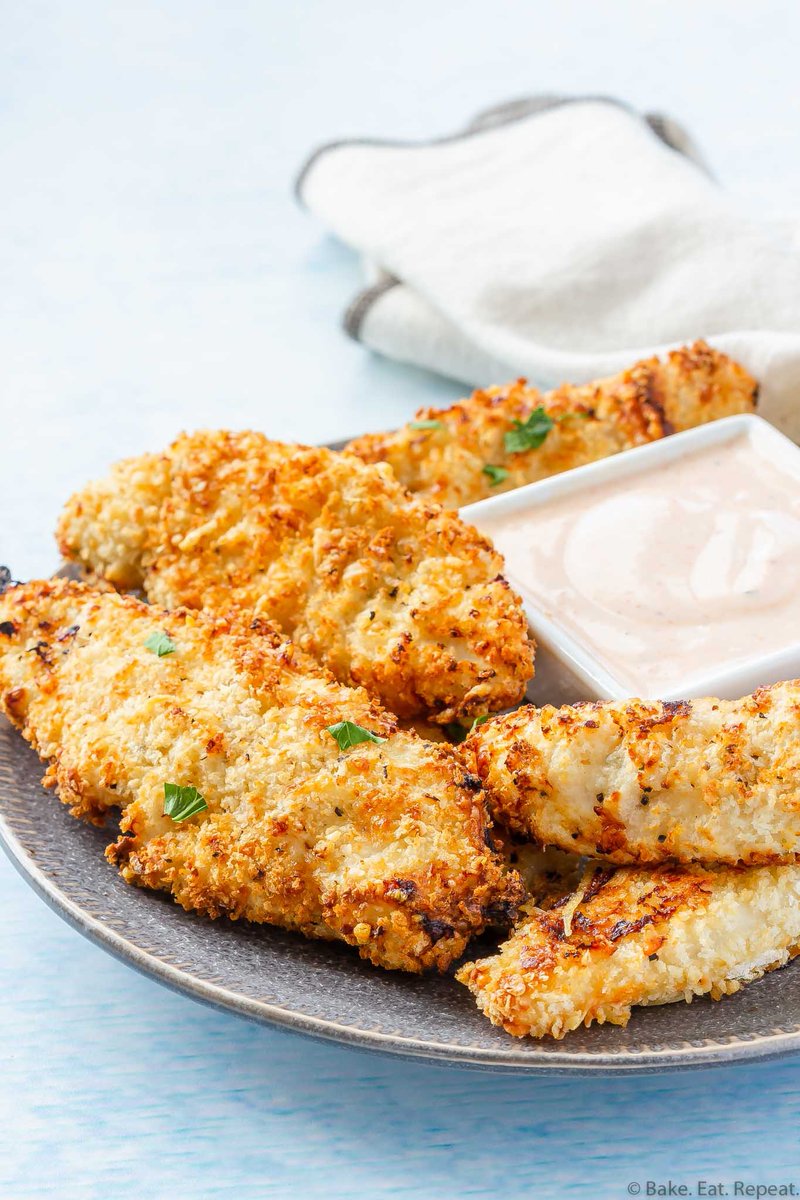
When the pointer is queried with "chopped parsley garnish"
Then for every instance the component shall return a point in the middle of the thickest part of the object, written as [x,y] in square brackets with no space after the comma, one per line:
[428,423]
[160,643]
[347,734]
[182,802]
[496,474]
[529,435]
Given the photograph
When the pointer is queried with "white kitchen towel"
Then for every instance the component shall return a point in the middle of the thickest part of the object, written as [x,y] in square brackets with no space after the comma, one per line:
[560,240]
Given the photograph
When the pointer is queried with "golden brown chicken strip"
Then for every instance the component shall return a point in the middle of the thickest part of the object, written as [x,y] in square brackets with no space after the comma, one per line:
[381,844]
[387,591]
[503,437]
[636,781]
[631,936]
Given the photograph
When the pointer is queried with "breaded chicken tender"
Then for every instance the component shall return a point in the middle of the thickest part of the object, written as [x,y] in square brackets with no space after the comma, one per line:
[389,592]
[381,844]
[631,936]
[633,781]
[460,454]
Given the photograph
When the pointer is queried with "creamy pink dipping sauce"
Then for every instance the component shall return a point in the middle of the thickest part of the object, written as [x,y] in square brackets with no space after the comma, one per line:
[667,575]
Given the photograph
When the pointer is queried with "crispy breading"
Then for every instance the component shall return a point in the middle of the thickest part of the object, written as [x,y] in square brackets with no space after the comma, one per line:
[638,937]
[635,781]
[446,462]
[383,845]
[387,591]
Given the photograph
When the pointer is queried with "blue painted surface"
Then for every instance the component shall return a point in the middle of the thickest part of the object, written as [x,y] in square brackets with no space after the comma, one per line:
[157,276]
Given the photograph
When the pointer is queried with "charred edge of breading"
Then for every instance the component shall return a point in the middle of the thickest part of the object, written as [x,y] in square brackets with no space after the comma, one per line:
[50,638]
[647,400]
[500,912]
[591,930]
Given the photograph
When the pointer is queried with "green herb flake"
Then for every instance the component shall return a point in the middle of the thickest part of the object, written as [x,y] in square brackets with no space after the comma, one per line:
[181,803]
[458,732]
[578,415]
[428,423]
[529,435]
[496,474]
[347,734]
[160,643]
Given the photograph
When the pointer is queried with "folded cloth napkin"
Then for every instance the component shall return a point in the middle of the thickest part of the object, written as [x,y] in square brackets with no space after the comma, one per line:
[560,240]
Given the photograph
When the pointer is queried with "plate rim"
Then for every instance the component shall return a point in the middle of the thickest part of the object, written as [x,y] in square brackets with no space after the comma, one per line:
[559,1062]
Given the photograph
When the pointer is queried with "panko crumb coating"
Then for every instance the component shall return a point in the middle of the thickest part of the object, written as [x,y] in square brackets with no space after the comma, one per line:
[384,845]
[635,781]
[632,937]
[388,591]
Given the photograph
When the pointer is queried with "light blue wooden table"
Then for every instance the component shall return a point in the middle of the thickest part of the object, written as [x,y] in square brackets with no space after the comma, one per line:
[155,275]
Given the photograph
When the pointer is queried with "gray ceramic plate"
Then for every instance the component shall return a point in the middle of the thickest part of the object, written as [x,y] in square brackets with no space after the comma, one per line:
[324,989]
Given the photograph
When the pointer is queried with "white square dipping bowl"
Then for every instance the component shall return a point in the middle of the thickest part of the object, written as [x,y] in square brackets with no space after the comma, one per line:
[566,671]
